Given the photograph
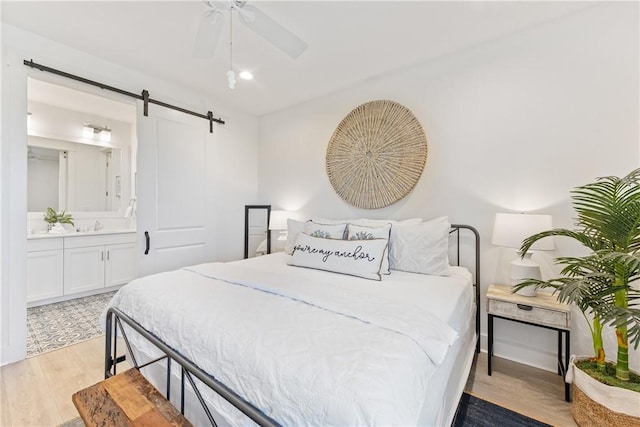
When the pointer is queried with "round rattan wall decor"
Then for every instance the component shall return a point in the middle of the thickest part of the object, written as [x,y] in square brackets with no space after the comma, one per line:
[376,154]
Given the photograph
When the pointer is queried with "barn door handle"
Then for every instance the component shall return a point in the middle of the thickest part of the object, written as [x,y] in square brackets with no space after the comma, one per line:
[148,241]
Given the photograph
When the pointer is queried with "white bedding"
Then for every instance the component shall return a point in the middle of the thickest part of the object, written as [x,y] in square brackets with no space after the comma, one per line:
[308,347]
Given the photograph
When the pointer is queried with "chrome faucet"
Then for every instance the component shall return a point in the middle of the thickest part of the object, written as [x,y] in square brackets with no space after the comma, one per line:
[98,226]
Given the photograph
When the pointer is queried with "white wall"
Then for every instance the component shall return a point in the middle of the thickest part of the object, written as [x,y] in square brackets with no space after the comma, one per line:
[512,125]
[237,166]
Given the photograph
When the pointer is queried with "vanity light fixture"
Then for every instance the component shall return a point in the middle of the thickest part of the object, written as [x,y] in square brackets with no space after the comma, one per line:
[92,131]
[87,131]
[105,135]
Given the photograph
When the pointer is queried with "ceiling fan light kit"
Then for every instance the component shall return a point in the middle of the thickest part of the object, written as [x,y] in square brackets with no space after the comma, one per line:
[212,21]
[231,79]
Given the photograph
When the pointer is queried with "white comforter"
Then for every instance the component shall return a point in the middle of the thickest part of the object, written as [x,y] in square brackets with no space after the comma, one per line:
[307,347]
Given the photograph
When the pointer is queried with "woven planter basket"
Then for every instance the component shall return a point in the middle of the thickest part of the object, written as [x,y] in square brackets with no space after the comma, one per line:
[589,413]
[376,155]
[600,405]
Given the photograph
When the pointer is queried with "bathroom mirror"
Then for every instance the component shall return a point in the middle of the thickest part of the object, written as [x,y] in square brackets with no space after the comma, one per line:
[257,237]
[86,174]
[73,177]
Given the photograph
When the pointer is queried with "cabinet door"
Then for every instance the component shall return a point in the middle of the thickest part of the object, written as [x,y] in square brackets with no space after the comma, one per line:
[83,269]
[44,275]
[121,264]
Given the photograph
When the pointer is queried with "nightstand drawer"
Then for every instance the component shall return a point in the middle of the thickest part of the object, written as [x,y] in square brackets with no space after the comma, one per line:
[528,313]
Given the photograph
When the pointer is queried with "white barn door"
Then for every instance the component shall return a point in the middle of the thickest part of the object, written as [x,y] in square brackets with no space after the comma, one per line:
[176,190]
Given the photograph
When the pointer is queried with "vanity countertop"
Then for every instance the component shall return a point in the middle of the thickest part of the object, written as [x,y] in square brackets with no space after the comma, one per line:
[80,234]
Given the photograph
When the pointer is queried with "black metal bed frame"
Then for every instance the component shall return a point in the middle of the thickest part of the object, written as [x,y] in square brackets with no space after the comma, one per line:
[115,319]
[455,229]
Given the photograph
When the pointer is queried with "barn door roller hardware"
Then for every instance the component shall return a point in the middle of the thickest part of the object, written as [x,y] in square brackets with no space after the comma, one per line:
[144,97]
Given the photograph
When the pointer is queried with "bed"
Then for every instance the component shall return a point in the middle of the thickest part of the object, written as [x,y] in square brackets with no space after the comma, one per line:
[267,341]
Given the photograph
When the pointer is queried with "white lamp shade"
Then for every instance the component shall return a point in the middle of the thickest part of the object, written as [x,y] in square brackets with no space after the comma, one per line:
[278,219]
[511,229]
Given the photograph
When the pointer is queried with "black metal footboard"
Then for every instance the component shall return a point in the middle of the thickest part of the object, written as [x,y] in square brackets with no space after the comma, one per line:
[114,322]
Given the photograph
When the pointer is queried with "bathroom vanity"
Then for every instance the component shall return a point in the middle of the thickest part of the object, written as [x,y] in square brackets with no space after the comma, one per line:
[61,267]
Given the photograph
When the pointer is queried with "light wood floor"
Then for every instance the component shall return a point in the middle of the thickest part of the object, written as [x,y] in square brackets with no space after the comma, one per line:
[530,391]
[37,391]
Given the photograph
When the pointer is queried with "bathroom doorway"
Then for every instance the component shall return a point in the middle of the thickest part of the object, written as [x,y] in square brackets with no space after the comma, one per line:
[81,161]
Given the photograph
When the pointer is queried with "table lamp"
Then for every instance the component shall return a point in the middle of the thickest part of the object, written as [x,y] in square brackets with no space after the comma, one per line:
[278,222]
[509,230]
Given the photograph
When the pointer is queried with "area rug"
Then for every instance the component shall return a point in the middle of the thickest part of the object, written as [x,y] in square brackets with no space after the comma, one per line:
[58,325]
[476,412]
[472,412]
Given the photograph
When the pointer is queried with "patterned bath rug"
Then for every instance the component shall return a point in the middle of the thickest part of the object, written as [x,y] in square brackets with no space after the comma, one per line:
[53,326]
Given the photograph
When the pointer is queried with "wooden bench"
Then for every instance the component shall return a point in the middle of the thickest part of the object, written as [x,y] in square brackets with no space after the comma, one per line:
[126,399]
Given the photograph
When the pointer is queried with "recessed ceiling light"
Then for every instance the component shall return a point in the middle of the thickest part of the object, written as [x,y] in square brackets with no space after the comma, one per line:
[245,75]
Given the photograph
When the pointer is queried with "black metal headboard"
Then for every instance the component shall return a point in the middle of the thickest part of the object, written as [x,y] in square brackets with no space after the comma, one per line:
[456,230]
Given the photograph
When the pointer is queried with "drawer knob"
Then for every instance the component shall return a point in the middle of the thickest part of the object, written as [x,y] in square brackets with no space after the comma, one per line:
[525,307]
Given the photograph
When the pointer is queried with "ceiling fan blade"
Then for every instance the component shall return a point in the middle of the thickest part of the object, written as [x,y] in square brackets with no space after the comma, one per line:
[221,6]
[270,30]
[208,34]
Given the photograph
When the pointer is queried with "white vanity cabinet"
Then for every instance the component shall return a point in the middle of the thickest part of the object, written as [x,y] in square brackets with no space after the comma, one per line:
[98,261]
[74,265]
[45,269]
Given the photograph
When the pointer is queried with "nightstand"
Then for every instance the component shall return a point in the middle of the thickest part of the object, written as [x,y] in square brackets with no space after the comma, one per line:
[543,311]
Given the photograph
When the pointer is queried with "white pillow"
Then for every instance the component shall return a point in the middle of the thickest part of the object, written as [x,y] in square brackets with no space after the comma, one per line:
[366,222]
[325,231]
[378,222]
[422,248]
[294,228]
[319,220]
[359,232]
[361,258]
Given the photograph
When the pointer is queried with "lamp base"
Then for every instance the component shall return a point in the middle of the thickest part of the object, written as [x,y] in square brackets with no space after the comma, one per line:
[527,291]
[524,268]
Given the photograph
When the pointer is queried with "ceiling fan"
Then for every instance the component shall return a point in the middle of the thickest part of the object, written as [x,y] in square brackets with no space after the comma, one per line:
[212,21]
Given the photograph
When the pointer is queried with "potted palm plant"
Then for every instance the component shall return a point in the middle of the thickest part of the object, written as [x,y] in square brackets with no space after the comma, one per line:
[601,284]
